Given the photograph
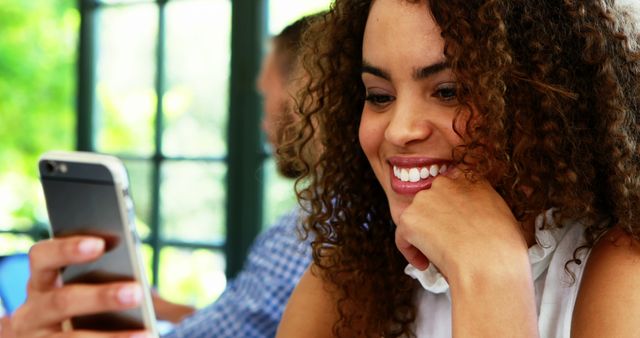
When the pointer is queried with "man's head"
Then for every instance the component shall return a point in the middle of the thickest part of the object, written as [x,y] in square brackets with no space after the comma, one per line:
[277,74]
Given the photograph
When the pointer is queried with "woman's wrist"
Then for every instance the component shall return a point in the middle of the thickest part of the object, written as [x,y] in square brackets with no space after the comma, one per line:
[498,297]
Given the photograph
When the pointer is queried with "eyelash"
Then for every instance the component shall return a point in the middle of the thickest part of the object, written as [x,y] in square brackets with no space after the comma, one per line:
[379,100]
[446,93]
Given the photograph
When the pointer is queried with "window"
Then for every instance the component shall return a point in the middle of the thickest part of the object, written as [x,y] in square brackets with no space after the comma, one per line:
[170,88]
[37,67]
[159,83]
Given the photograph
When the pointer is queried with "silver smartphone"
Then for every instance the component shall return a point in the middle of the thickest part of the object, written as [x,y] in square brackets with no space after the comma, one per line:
[88,194]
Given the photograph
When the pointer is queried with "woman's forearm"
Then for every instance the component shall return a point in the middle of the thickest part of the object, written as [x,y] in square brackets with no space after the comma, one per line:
[496,300]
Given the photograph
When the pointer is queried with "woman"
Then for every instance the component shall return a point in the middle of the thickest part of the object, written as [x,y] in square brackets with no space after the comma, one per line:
[493,146]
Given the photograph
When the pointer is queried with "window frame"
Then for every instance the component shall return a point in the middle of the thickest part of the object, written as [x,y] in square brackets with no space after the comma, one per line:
[245,150]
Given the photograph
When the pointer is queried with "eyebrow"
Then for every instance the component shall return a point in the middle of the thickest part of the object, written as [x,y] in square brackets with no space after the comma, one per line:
[418,74]
[368,68]
[425,72]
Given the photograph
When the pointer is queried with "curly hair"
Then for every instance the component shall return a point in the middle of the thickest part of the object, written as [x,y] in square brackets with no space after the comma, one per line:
[556,89]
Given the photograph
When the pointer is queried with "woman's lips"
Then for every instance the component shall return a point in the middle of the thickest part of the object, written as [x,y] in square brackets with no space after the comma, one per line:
[410,188]
[411,175]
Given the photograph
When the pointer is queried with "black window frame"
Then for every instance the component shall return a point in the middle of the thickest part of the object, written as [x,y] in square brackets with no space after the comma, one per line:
[245,150]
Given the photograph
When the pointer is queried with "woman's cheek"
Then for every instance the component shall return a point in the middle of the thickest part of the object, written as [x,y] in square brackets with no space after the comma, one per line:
[370,134]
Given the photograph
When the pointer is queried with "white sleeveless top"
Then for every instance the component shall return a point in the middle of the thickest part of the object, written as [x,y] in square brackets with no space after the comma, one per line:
[555,290]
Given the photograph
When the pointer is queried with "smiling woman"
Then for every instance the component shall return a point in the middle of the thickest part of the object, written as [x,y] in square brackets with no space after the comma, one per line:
[479,172]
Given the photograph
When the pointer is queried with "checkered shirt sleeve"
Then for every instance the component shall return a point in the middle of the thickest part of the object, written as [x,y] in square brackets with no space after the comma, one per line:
[252,304]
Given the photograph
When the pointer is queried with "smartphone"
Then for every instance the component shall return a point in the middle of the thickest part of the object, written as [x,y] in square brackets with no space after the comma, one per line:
[88,194]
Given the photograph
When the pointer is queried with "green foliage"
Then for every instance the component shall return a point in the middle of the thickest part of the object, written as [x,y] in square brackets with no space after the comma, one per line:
[37,60]
[10,243]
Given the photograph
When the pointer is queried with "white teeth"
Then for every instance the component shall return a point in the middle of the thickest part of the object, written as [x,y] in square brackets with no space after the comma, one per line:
[434,170]
[404,175]
[424,173]
[418,173]
[414,175]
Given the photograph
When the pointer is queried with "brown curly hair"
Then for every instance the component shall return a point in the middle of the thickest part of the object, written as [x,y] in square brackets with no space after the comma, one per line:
[556,87]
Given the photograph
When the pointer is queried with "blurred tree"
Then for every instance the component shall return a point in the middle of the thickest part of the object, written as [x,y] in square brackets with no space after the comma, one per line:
[37,76]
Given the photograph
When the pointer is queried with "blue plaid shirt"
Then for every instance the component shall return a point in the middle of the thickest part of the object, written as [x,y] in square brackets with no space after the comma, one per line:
[253,303]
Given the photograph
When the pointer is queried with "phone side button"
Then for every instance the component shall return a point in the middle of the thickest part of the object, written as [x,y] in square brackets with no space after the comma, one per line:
[131,211]
[135,236]
[128,203]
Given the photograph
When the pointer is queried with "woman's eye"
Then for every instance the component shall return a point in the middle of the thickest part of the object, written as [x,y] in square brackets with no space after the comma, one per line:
[446,93]
[379,99]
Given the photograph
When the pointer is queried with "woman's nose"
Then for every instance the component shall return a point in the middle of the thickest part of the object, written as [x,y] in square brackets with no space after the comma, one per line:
[409,124]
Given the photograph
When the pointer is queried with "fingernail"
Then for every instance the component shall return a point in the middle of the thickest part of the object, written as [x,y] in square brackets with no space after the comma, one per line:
[140,335]
[90,246]
[130,294]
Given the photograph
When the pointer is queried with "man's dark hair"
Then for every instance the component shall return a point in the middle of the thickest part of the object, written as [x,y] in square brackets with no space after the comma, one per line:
[288,42]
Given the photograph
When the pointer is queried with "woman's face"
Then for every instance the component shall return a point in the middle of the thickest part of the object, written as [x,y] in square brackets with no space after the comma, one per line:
[406,129]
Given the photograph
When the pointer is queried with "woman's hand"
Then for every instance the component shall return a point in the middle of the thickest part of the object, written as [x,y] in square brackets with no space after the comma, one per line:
[49,304]
[459,225]
[467,230]
[5,328]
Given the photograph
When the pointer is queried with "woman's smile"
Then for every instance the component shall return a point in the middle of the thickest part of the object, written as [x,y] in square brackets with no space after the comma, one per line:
[410,175]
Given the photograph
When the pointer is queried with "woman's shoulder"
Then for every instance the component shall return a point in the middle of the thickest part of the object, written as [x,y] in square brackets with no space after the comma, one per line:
[311,296]
[617,251]
[608,298]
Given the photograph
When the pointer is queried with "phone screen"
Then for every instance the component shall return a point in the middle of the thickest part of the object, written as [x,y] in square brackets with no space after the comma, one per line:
[85,200]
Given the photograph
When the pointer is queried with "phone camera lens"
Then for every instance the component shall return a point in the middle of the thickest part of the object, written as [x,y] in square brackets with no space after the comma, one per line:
[53,167]
[50,166]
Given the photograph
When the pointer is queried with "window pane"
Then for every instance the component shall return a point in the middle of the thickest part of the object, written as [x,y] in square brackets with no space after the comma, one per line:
[37,74]
[10,244]
[279,197]
[191,276]
[140,181]
[284,12]
[196,101]
[126,98]
[22,204]
[193,201]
